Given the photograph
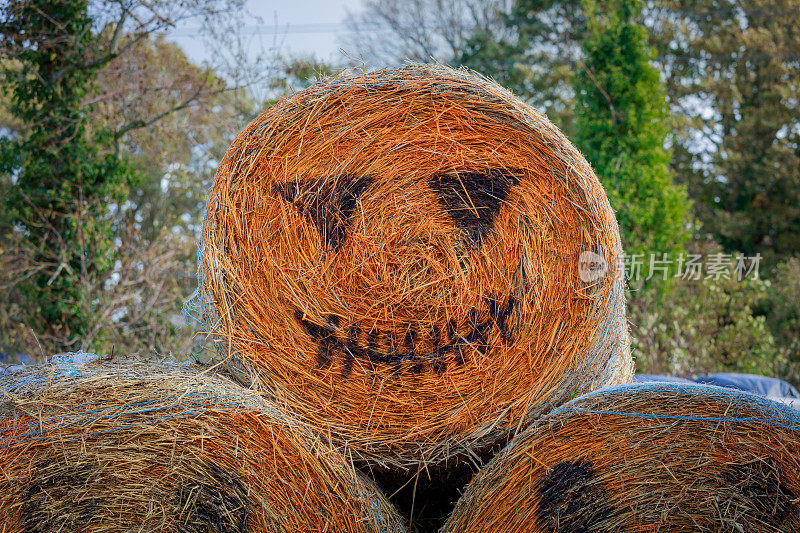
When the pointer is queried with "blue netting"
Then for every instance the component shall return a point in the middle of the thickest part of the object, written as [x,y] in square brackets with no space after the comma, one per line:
[189,400]
[194,308]
[66,364]
[772,412]
[76,365]
[645,378]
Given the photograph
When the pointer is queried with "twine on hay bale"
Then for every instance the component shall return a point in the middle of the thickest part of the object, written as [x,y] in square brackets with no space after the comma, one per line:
[158,447]
[641,458]
[403,257]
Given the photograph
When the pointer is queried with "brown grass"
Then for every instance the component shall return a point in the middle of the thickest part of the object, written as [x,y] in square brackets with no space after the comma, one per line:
[644,458]
[395,255]
[158,447]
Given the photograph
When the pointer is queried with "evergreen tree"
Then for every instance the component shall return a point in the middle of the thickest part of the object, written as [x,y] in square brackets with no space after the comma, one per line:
[534,56]
[734,68]
[621,126]
[64,177]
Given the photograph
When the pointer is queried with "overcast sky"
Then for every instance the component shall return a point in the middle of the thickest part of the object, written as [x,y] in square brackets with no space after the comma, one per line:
[296,26]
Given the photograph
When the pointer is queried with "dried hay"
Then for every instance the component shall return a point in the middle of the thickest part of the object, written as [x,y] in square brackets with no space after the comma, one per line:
[106,447]
[396,256]
[645,458]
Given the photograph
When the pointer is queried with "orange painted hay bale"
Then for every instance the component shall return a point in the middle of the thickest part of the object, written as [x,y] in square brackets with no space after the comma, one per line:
[644,458]
[397,255]
[157,447]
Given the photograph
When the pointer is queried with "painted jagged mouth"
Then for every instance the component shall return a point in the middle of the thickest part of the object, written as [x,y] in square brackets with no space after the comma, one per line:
[335,342]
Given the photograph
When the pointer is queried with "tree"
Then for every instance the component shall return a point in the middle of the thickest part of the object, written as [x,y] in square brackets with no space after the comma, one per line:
[138,308]
[708,325]
[389,32]
[297,73]
[499,59]
[172,120]
[782,310]
[622,125]
[535,56]
[528,46]
[63,180]
[733,71]
[89,254]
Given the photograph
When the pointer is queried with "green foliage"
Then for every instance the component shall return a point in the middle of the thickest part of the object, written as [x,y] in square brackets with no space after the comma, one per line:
[621,127]
[301,72]
[95,255]
[783,308]
[498,59]
[295,74]
[536,58]
[734,77]
[134,305]
[64,180]
[706,326]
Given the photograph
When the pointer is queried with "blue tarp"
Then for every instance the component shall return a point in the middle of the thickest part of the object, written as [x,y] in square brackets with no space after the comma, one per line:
[762,385]
[771,387]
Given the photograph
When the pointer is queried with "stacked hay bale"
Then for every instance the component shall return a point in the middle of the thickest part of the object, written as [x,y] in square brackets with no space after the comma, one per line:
[157,447]
[645,457]
[414,260]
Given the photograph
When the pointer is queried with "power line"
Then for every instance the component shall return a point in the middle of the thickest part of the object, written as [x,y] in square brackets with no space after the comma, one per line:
[324,27]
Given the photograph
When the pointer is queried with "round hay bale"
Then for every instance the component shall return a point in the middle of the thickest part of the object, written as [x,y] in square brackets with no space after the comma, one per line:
[415,260]
[644,457]
[159,447]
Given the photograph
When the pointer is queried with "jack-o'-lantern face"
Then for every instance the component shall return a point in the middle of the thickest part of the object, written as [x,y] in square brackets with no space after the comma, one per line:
[640,459]
[389,279]
[408,227]
[160,447]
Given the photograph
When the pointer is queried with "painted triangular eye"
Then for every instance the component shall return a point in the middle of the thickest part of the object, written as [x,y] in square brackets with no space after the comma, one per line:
[572,498]
[329,203]
[473,198]
[760,485]
[216,499]
[50,502]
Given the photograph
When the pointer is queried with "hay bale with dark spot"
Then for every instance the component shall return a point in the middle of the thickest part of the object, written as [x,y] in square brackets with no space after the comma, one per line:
[415,260]
[108,447]
[644,457]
